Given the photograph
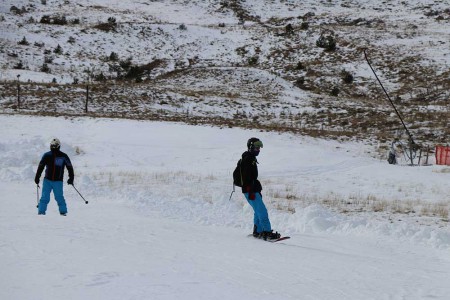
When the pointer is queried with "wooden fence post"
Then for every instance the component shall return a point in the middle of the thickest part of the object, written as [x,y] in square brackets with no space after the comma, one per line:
[18,92]
[87,98]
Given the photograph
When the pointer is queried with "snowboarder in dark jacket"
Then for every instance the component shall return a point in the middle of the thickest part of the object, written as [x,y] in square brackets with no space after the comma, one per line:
[251,187]
[54,161]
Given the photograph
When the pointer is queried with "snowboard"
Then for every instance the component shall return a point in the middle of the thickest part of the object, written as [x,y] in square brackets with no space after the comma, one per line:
[279,239]
[272,241]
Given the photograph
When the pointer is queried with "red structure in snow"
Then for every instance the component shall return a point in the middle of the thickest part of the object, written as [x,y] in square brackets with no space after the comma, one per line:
[443,155]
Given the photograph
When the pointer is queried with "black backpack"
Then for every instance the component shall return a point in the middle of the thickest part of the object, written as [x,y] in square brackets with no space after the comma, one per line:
[237,176]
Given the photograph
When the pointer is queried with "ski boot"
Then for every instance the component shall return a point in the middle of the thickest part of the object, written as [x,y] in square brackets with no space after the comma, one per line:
[255,233]
[270,235]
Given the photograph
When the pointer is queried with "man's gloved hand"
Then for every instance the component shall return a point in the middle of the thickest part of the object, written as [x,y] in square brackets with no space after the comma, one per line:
[251,195]
[70,181]
[36,180]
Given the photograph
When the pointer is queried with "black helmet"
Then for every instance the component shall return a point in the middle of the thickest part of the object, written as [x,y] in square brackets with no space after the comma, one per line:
[55,144]
[254,142]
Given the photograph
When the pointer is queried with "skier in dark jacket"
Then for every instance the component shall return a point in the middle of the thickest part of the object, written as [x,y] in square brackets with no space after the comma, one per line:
[251,187]
[54,161]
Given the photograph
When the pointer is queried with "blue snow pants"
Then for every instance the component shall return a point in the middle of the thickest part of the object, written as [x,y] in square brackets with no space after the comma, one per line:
[47,187]
[260,217]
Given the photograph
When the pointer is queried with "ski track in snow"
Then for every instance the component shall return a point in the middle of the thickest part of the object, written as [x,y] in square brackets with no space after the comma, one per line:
[139,239]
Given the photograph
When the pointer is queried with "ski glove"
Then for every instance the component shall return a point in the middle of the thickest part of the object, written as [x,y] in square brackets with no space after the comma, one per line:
[70,181]
[36,180]
[251,195]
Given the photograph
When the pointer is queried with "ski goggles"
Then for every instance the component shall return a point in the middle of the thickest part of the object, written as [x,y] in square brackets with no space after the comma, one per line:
[257,144]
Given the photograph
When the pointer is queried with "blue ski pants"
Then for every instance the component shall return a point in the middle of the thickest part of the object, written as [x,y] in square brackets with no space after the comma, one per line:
[260,217]
[47,187]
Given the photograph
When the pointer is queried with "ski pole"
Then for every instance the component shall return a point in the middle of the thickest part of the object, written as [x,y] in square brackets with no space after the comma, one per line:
[85,201]
[231,194]
[37,195]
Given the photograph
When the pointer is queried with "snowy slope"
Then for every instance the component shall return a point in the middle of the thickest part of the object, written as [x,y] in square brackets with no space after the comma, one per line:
[159,224]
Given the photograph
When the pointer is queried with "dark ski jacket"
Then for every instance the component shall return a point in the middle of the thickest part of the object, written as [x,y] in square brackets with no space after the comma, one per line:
[249,171]
[54,161]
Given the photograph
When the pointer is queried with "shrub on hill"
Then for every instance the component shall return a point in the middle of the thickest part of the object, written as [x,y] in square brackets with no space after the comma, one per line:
[241,51]
[100,77]
[45,68]
[45,19]
[19,66]
[289,29]
[18,11]
[335,91]
[125,64]
[347,77]
[24,42]
[59,20]
[48,59]
[110,25]
[137,72]
[327,41]
[252,61]
[56,20]
[300,82]
[58,50]
[304,26]
[113,56]
[300,66]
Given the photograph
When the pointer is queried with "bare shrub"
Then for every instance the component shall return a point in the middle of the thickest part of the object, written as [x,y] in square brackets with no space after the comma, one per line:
[45,68]
[379,206]
[289,29]
[347,77]
[300,66]
[113,56]
[252,61]
[56,20]
[327,41]
[24,42]
[48,59]
[241,51]
[58,50]
[19,66]
[110,25]
[59,20]
[17,11]
[45,19]
[335,91]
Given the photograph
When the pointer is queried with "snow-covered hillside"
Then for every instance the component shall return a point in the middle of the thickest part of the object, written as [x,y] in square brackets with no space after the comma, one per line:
[159,223]
[258,64]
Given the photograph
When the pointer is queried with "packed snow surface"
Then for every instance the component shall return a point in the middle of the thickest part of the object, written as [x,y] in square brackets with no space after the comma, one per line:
[160,225]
